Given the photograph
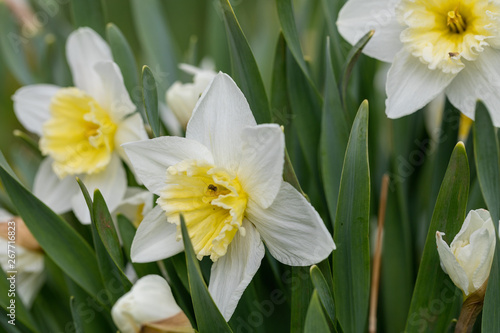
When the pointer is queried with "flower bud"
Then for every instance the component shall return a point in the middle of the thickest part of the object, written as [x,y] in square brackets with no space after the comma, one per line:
[149,306]
[468,258]
[182,98]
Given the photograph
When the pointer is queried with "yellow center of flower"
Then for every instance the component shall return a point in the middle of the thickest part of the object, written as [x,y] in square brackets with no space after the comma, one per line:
[442,33]
[212,202]
[79,136]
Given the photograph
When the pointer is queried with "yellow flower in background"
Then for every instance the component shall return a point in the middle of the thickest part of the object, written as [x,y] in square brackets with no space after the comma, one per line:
[149,307]
[225,177]
[434,47]
[81,128]
[469,257]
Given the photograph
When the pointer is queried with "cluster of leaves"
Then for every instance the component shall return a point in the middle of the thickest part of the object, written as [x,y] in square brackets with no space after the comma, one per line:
[338,156]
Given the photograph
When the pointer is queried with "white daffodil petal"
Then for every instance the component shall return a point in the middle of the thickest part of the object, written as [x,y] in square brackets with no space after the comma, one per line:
[112,183]
[450,264]
[151,158]
[150,300]
[114,96]
[232,273]
[84,49]
[131,129]
[292,229]
[170,121]
[481,243]
[32,105]
[54,192]
[261,165]
[155,238]
[357,17]
[218,120]
[480,79]
[411,85]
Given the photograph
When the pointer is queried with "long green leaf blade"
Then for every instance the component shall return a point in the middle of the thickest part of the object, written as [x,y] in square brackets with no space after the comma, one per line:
[351,259]
[244,67]
[315,320]
[433,287]
[150,97]
[208,316]
[324,292]
[487,155]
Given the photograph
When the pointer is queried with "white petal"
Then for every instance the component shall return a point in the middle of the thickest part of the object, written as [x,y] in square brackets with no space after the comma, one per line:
[155,238]
[218,120]
[357,17]
[480,79]
[411,85]
[32,105]
[292,229]
[54,192]
[232,273]
[114,96]
[261,165]
[130,129]
[483,245]
[151,158]
[450,264]
[150,300]
[84,49]
[111,182]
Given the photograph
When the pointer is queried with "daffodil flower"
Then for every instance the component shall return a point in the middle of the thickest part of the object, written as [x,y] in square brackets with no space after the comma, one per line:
[468,258]
[81,128]
[149,307]
[225,178]
[450,46]
[182,98]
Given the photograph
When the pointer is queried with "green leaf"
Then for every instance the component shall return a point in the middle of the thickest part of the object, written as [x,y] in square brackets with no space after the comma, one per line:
[324,292]
[436,300]
[315,320]
[156,41]
[334,137]
[487,156]
[59,241]
[124,58]
[208,316]
[289,31]
[106,229]
[88,13]
[351,259]
[351,60]
[150,97]
[12,43]
[31,144]
[76,318]
[244,67]
[306,108]
[301,296]
[331,9]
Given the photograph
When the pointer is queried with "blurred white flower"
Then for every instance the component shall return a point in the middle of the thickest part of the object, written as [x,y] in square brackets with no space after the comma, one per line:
[225,177]
[149,304]
[29,262]
[445,46]
[182,98]
[136,204]
[81,128]
[468,258]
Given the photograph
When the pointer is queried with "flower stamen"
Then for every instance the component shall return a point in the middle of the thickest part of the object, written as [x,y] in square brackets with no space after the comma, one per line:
[455,22]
